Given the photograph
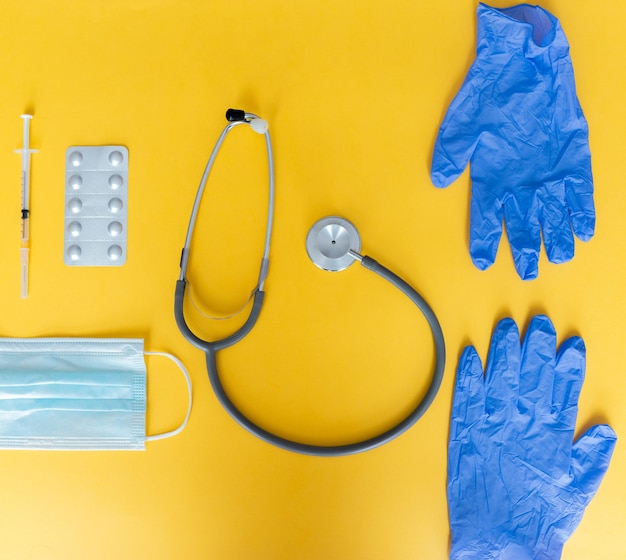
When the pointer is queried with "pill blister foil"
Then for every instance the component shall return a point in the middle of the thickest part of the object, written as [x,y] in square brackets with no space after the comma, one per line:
[96,205]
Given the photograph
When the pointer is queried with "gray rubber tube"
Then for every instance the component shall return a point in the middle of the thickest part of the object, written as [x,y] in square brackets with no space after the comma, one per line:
[211,349]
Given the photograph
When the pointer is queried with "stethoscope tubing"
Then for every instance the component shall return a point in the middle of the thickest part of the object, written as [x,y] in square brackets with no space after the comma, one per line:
[211,348]
[221,344]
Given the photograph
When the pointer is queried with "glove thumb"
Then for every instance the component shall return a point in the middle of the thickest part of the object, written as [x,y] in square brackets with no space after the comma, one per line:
[457,138]
[591,455]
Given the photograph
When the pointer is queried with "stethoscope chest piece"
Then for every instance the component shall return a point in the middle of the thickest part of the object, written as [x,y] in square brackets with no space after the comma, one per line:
[330,242]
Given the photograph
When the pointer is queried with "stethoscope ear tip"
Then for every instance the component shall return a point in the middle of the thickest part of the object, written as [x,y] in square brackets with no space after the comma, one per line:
[259,126]
[233,115]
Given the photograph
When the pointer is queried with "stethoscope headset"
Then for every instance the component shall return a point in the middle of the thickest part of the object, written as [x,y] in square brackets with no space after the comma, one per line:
[333,244]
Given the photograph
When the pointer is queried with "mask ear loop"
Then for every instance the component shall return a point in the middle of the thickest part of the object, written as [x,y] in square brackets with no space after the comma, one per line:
[182,368]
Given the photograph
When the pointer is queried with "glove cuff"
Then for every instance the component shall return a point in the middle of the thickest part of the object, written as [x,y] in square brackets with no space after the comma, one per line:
[506,547]
[528,27]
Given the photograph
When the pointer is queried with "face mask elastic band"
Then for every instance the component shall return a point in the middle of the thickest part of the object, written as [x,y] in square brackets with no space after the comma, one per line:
[189,391]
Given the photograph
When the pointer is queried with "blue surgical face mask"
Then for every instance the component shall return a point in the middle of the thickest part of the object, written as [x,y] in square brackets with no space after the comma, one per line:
[75,393]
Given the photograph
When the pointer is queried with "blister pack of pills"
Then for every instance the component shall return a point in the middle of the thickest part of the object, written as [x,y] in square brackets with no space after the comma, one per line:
[96,205]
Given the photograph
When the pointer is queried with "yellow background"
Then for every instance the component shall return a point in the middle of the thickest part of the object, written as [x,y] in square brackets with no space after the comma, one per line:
[354,91]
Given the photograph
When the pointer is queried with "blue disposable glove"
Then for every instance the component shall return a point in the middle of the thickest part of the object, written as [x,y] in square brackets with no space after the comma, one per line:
[517,482]
[518,120]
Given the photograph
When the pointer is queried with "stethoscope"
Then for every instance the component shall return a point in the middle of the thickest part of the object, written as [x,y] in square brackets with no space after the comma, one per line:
[333,244]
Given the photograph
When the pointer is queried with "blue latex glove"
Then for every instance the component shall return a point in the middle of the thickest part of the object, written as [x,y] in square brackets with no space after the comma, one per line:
[517,483]
[518,120]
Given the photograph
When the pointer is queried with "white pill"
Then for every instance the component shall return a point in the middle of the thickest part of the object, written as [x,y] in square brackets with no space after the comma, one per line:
[115,252]
[75,205]
[74,252]
[76,158]
[74,229]
[115,205]
[115,228]
[75,181]
[115,158]
[115,181]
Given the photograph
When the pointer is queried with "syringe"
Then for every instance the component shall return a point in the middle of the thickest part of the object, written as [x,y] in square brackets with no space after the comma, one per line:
[25,248]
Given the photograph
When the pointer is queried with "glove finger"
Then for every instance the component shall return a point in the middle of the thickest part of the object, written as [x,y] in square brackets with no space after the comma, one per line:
[569,374]
[457,137]
[465,433]
[485,227]
[537,367]
[468,406]
[591,455]
[523,231]
[503,368]
[555,224]
[579,195]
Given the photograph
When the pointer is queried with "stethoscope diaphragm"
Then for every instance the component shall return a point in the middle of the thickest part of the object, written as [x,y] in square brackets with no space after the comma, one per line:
[333,243]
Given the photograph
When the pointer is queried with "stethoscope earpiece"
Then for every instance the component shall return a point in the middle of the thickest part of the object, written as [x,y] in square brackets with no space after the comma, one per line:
[233,115]
[259,126]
